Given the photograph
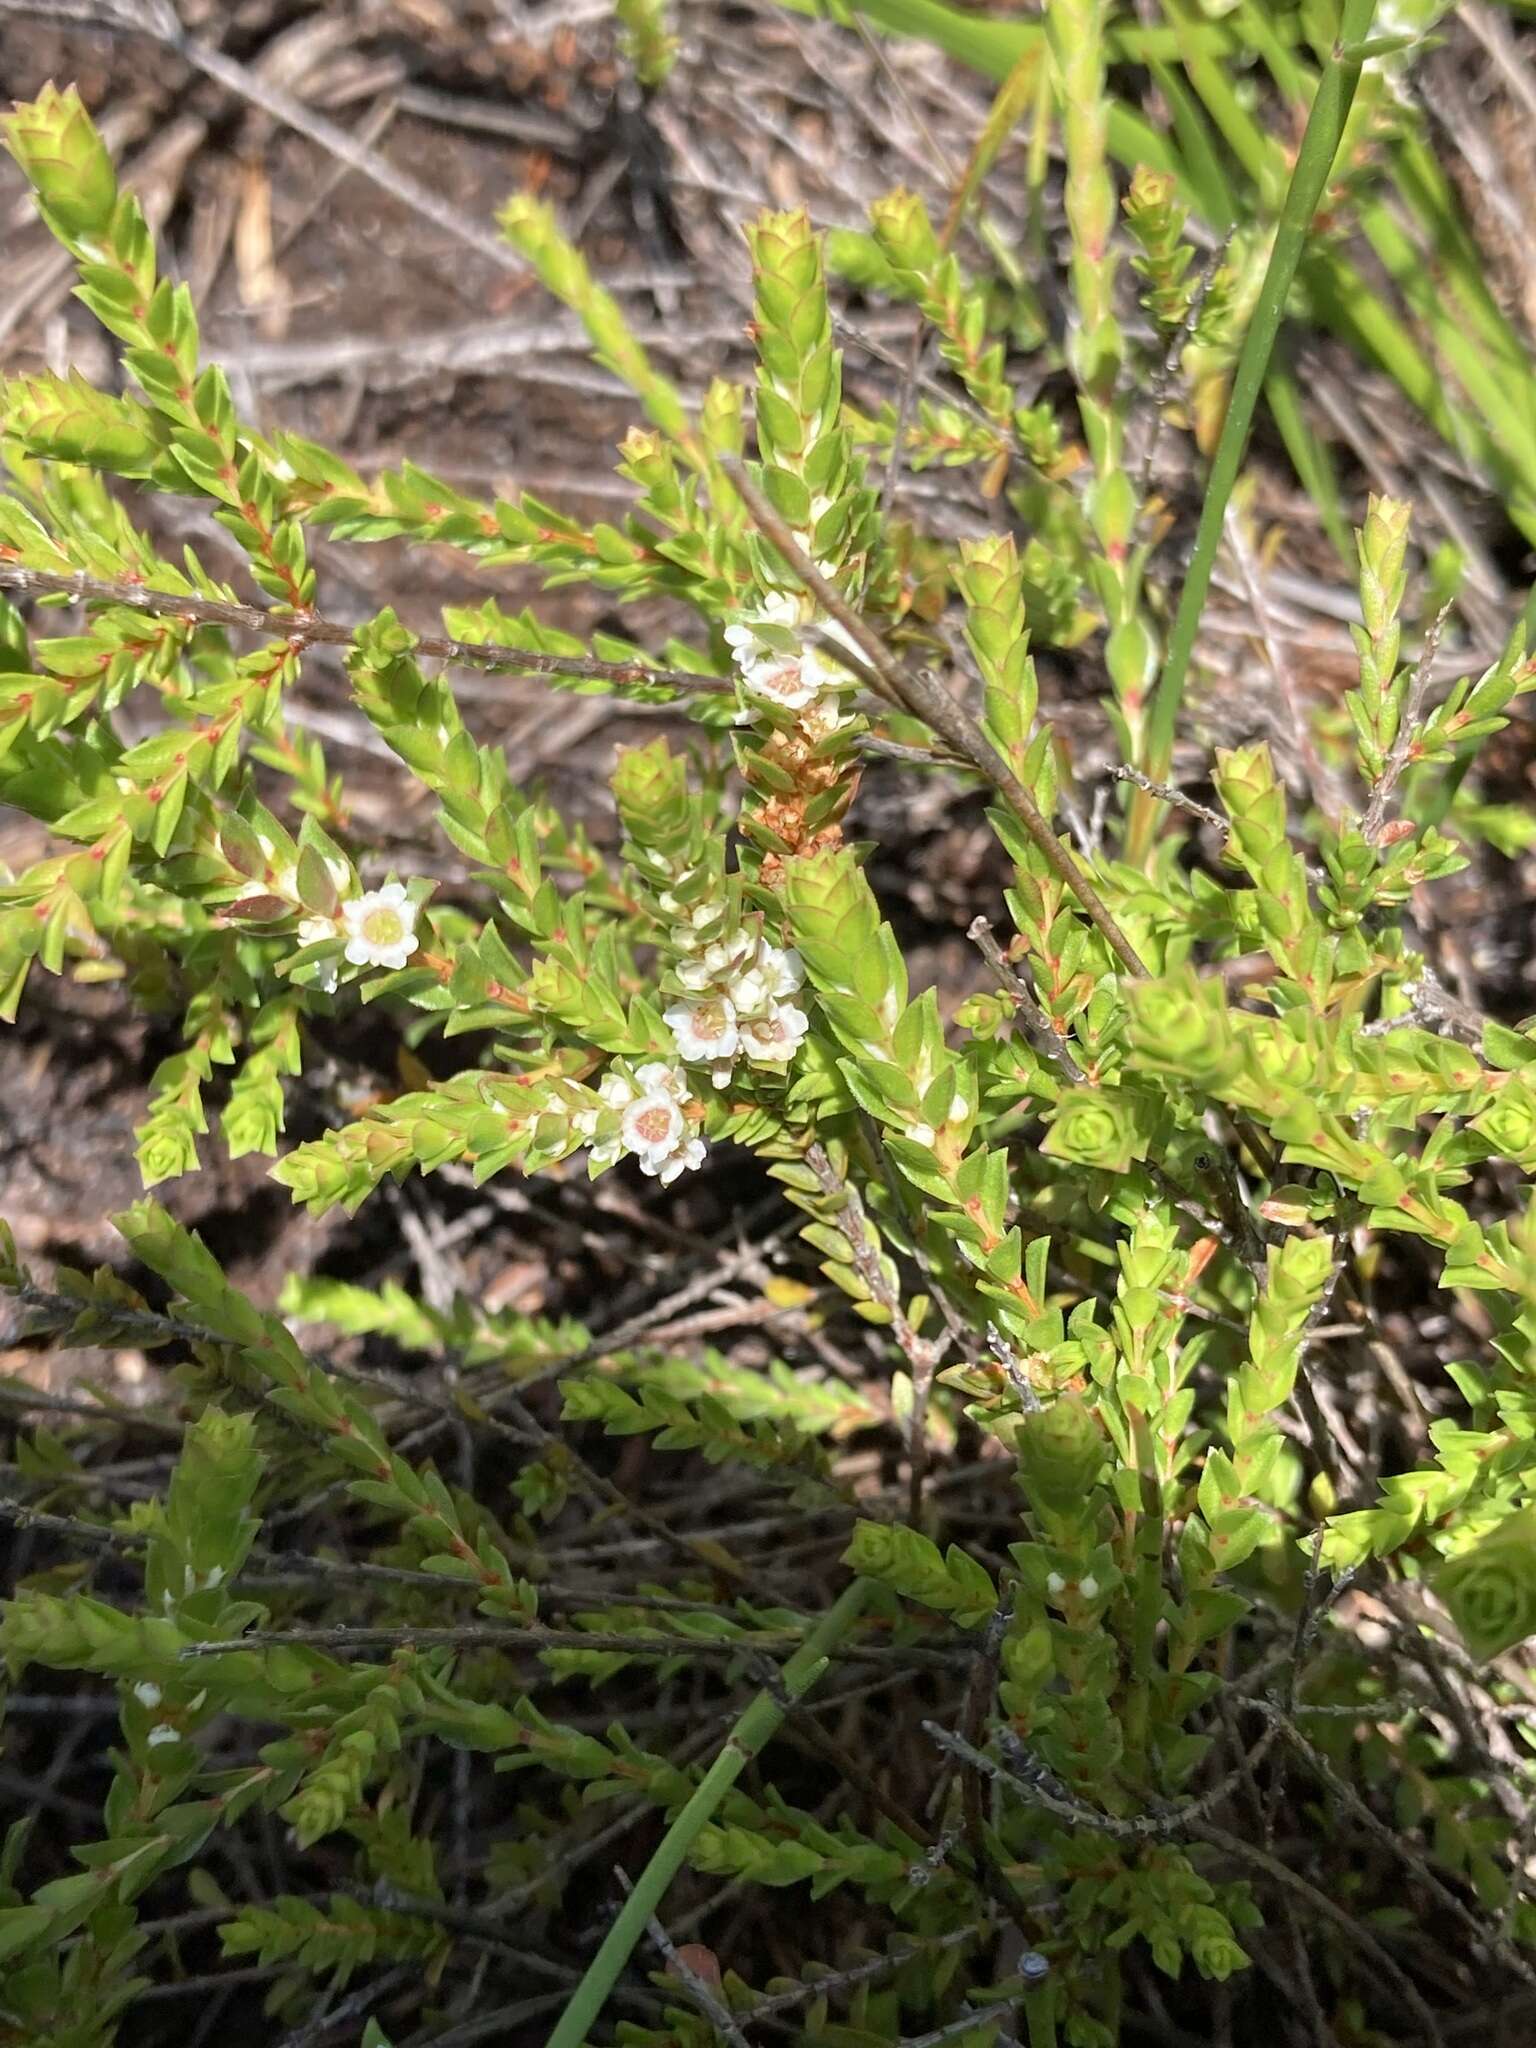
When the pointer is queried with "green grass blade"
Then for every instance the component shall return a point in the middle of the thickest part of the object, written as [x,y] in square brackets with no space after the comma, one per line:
[1314,161]
[756,1725]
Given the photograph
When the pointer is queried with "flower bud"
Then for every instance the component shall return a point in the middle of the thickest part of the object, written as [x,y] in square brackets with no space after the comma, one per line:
[65,161]
[1060,1451]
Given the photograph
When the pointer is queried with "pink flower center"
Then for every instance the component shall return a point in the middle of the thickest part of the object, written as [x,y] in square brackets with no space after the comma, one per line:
[654,1126]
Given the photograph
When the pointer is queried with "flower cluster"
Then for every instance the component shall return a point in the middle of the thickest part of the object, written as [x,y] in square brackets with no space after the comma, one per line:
[736,1005]
[646,1113]
[773,664]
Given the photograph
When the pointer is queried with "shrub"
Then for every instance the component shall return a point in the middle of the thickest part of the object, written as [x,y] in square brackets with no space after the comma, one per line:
[1102,1225]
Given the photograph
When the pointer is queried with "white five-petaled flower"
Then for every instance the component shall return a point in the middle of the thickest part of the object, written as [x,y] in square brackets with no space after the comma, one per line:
[380,927]
[654,1127]
[147,1693]
[783,679]
[776,1037]
[161,1732]
[651,1121]
[706,1031]
[736,1003]
[775,663]
[766,975]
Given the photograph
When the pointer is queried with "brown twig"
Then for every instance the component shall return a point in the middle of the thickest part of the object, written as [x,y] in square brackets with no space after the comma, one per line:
[1170,795]
[1319,1901]
[698,1988]
[308,629]
[921,1355]
[1485,1937]
[1033,1022]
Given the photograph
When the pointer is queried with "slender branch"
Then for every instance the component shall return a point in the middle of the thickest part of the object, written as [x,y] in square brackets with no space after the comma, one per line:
[839,1981]
[1169,794]
[1033,1022]
[485,1636]
[1486,1937]
[1043,1791]
[308,629]
[1320,1902]
[921,1355]
[698,1988]
[923,697]
[1407,736]
[963,2023]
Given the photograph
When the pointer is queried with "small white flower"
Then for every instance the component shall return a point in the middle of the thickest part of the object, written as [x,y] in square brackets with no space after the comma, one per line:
[920,1134]
[652,1126]
[772,971]
[825,671]
[380,927]
[651,1122]
[705,1031]
[147,1693]
[959,1110]
[616,1089]
[716,964]
[777,1036]
[780,967]
[823,718]
[657,1078]
[688,1158]
[615,1092]
[748,990]
[1088,1587]
[1055,1585]
[783,679]
[162,1732]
